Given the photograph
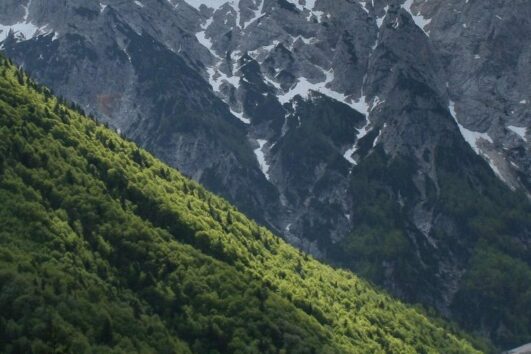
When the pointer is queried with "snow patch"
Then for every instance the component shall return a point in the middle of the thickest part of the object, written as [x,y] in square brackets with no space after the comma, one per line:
[102,7]
[379,20]
[213,4]
[496,170]
[310,4]
[471,137]
[348,154]
[363,131]
[303,87]
[420,21]
[264,49]
[257,14]
[364,7]
[240,116]
[23,30]
[376,140]
[308,8]
[520,131]
[318,14]
[273,83]
[216,4]
[204,41]
[235,4]
[260,156]
[396,24]
[138,3]
[376,102]
[127,54]
[217,78]
[26,11]
[303,39]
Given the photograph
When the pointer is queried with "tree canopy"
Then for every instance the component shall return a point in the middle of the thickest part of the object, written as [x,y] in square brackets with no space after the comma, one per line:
[104,249]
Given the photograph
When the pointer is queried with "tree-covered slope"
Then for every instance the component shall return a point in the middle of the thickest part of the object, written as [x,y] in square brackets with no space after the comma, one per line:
[480,250]
[104,249]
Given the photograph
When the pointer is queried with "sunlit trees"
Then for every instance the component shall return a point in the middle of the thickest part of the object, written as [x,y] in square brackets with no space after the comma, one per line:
[104,249]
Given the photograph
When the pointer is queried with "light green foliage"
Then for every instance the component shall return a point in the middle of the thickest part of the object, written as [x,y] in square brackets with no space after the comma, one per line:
[104,249]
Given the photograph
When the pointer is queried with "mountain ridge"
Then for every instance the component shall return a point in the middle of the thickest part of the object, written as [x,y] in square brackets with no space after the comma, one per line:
[109,250]
[263,102]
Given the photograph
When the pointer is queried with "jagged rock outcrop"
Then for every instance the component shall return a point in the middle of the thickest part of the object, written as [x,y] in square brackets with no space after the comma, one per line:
[353,128]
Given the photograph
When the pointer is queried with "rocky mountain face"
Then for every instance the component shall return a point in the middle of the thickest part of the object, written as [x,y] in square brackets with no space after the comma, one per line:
[387,136]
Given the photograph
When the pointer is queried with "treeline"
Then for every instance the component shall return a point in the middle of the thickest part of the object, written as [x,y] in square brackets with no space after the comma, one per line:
[104,249]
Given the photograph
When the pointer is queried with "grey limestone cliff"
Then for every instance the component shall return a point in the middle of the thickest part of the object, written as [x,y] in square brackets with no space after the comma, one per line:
[319,118]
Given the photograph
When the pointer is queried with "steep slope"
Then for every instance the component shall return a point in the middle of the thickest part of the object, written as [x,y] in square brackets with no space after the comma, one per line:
[105,249]
[381,135]
[142,84]
[429,212]
[484,47]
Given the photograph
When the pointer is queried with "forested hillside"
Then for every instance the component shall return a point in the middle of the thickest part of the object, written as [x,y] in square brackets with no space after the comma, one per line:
[388,137]
[104,249]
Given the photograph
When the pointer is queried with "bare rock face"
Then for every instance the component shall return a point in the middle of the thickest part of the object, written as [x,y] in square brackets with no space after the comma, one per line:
[484,47]
[361,131]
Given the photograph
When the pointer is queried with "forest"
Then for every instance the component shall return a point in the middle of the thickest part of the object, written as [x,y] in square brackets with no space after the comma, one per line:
[104,249]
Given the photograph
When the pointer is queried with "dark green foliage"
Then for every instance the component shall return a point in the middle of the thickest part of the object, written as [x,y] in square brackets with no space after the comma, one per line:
[478,223]
[379,237]
[103,249]
[495,295]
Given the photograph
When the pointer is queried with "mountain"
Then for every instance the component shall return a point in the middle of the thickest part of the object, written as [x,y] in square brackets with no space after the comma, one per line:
[105,249]
[389,137]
